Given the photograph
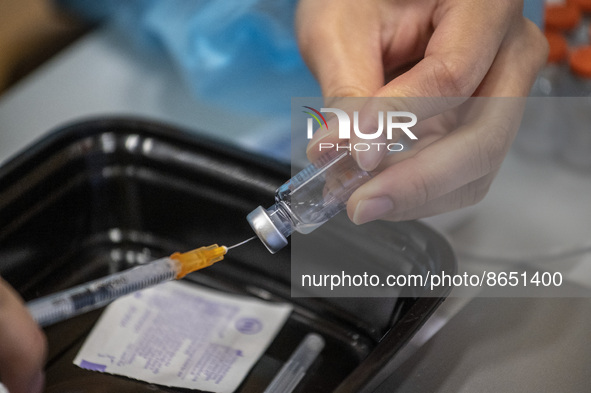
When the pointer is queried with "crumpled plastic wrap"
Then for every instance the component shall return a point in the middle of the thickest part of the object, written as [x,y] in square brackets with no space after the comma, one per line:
[239,54]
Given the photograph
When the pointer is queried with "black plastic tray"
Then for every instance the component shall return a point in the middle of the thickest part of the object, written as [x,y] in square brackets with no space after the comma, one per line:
[103,195]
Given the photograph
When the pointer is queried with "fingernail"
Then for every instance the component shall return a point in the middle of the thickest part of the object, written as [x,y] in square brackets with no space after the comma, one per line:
[368,160]
[372,209]
[37,383]
[321,134]
[316,140]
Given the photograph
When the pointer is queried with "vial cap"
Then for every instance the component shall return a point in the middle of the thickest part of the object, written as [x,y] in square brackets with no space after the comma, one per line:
[264,228]
[582,5]
[558,48]
[561,17]
[580,61]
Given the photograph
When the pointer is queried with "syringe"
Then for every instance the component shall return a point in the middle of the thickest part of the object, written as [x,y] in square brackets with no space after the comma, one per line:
[95,294]
[297,365]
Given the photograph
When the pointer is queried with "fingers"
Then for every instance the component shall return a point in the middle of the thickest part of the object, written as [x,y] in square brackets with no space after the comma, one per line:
[457,56]
[522,55]
[449,163]
[340,42]
[476,48]
[460,52]
[467,195]
[22,345]
[455,170]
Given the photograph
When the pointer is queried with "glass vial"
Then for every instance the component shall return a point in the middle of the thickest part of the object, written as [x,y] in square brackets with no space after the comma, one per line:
[309,199]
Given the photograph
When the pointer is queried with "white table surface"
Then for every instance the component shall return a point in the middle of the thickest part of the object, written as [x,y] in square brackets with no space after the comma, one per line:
[534,209]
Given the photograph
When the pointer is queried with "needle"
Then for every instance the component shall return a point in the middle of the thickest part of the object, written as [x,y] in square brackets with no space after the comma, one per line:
[241,243]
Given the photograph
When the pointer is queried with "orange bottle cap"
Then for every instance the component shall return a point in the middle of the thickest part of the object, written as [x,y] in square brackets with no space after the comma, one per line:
[558,47]
[583,5]
[562,17]
[580,61]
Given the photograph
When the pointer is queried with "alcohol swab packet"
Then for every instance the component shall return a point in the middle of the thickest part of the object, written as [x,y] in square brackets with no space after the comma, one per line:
[181,335]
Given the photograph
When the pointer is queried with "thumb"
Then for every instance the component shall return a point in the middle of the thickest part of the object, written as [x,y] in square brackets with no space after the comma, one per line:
[22,345]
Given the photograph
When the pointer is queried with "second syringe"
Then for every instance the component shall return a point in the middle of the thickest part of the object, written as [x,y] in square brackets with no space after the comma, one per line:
[98,293]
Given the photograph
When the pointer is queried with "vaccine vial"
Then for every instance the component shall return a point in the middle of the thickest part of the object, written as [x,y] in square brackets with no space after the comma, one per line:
[309,199]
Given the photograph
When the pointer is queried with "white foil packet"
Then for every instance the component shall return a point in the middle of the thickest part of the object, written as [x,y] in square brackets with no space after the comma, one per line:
[182,335]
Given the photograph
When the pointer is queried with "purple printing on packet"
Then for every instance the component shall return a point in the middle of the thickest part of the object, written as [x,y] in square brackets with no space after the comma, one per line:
[92,366]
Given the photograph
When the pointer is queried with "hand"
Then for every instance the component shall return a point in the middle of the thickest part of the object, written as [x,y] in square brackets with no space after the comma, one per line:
[22,345]
[448,50]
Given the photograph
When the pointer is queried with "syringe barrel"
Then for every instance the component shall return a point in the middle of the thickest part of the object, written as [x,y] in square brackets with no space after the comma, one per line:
[297,365]
[95,294]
